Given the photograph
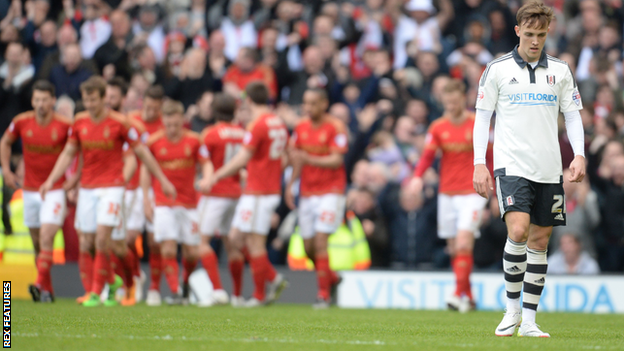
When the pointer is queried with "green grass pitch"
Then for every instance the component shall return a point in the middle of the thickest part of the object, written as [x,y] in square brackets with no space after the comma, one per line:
[67,326]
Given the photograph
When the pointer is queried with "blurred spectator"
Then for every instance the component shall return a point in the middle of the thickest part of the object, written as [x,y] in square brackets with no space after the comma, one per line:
[571,258]
[16,79]
[69,73]
[245,70]
[200,113]
[582,214]
[41,41]
[148,30]
[95,30]
[238,29]
[217,61]
[112,58]
[194,78]
[65,106]
[488,248]
[363,203]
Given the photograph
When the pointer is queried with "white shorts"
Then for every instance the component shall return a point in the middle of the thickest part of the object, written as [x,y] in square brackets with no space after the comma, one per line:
[320,214]
[149,226]
[215,214]
[133,217]
[99,206]
[459,212]
[38,211]
[254,212]
[176,223]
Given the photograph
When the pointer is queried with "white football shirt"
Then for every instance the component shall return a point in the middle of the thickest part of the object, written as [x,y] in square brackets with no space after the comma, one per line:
[527,102]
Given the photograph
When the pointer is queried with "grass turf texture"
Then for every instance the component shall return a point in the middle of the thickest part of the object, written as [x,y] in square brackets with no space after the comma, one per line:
[67,326]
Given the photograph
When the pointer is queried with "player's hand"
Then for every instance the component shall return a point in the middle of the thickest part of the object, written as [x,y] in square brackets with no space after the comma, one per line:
[168,189]
[10,179]
[577,169]
[482,181]
[204,185]
[148,209]
[45,187]
[289,198]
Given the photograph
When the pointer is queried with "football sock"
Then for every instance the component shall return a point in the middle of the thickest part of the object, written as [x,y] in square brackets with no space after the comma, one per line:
[270,272]
[188,266]
[514,266]
[136,267]
[534,280]
[209,261]
[117,268]
[44,264]
[129,263]
[101,272]
[236,271]
[462,267]
[258,270]
[171,269]
[85,265]
[323,276]
[155,263]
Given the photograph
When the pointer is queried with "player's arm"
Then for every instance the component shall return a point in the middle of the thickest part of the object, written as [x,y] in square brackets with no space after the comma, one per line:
[10,178]
[207,170]
[145,182]
[237,162]
[333,160]
[62,163]
[481,180]
[130,166]
[72,181]
[576,135]
[152,166]
[295,162]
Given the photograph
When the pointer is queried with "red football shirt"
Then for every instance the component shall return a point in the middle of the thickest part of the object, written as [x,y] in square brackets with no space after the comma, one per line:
[102,148]
[145,130]
[328,137]
[223,141]
[266,138]
[41,144]
[178,162]
[456,165]
[260,73]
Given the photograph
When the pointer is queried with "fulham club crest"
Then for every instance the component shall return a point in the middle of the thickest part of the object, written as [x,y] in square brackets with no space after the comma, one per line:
[550,80]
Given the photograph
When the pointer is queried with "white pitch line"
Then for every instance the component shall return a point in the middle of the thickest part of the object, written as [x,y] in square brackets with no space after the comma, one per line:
[202,338]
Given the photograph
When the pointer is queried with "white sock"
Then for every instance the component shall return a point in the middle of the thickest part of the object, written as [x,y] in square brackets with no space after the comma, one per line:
[513,304]
[528,315]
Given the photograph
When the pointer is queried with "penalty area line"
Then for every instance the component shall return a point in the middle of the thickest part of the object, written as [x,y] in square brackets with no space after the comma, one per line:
[202,338]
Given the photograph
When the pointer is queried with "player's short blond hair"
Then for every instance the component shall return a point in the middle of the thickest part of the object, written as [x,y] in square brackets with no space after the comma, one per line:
[454,85]
[534,14]
[172,107]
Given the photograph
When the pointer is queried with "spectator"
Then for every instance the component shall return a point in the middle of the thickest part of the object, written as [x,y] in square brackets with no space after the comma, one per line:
[488,248]
[571,258]
[95,30]
[148,30]
[66,35]
[363,203]
[41,41]
[238,29]
[194,78]
[200,114]
[16,78]
[112,57]
[67,75]
[245,70]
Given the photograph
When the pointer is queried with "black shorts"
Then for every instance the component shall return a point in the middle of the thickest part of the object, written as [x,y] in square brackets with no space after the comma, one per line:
[544,202]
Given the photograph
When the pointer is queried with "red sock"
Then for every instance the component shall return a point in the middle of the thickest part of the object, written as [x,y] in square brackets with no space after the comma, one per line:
[258,270]
[128,263]
[236,270]
[136,265]
[245,253]
[171,269]
[44,264]
[462,267]
[85,265]
[323,275]
[101,272]
[270,272]
[188,268]
[209,261]
[155,262]
[117,268]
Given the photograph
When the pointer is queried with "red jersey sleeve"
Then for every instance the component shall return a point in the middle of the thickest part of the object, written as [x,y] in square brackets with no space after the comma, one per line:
[203,155]
[432,143]
[254,136]
[130,134]
[73,134]
[13,131]
[338,142]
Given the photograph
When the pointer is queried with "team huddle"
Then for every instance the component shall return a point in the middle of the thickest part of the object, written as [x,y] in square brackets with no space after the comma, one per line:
[138,172]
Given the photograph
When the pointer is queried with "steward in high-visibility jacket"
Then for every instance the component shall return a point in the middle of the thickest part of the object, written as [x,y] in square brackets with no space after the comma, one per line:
[347,248]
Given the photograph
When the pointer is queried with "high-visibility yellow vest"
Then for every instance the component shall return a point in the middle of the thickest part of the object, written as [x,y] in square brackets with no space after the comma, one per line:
[347,248]
[18,247]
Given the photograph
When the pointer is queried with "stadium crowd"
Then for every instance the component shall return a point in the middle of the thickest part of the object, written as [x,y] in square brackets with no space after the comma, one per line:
[384,65]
